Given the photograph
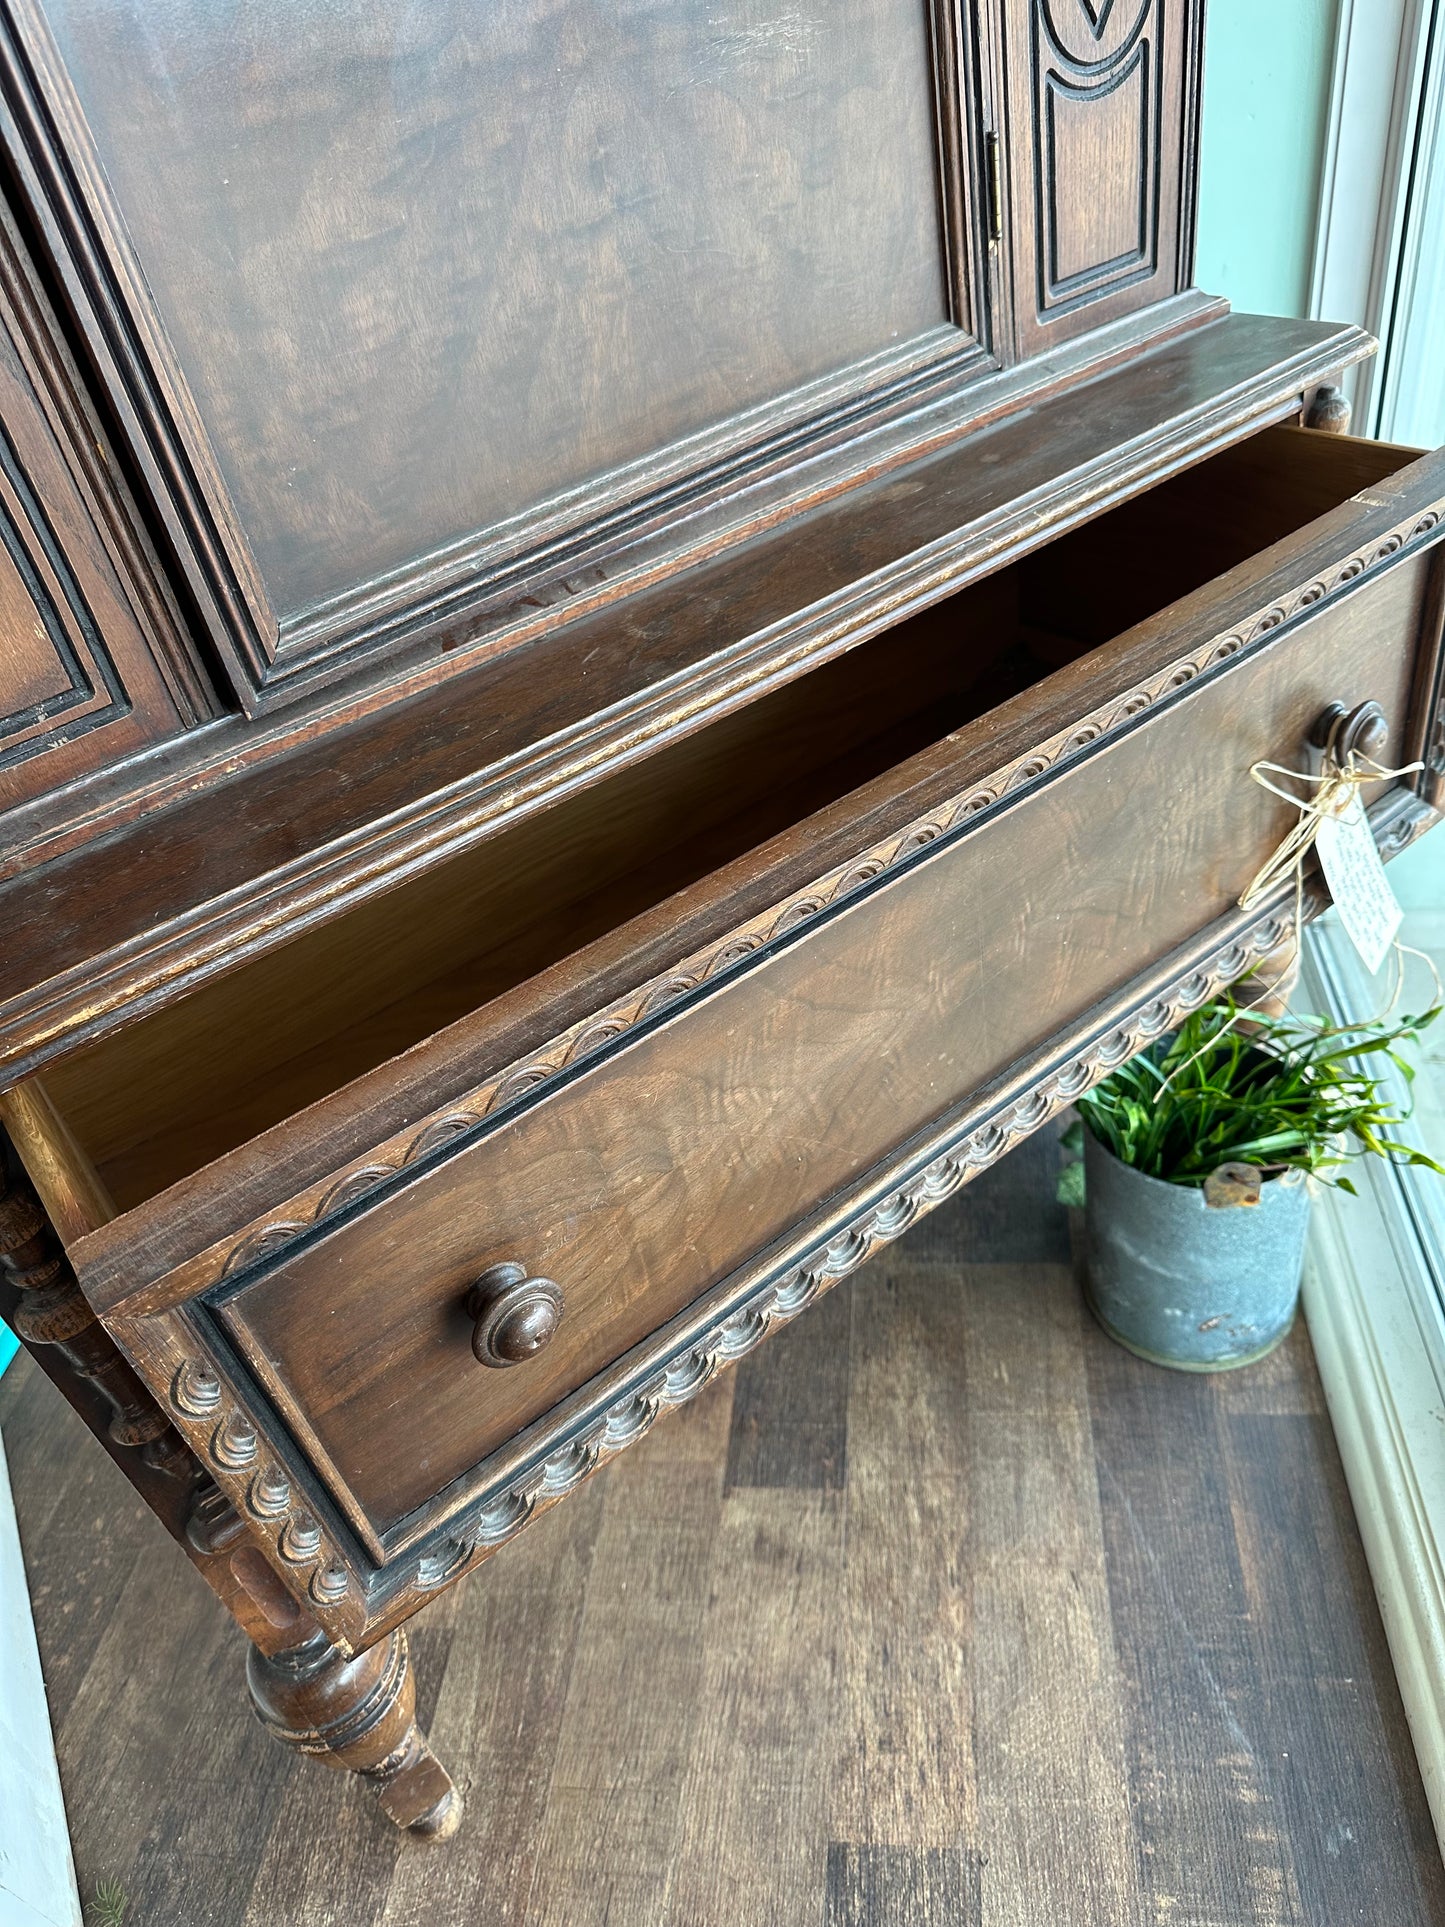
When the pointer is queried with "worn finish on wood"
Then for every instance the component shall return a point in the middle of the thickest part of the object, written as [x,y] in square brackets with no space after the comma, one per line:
[1329,411]
[69,1187]
[903,1887]
[685,1136]
[536,1472]
[249,836]
[621,845]
[1240,1621]
[890,996]
[91,669]
[746,586]
[633,857]
[1099,132]
[675,1364]
[45,1307]
[358,1714]
[347,435]
[765,216]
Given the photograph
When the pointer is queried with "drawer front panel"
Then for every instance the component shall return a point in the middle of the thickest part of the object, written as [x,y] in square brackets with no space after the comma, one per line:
[663,1166]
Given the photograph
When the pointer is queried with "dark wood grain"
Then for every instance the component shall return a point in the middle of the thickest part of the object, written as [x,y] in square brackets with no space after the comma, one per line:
[454,1415]
[617,1187]
[749,585]
[428,932]
[92,670]
[578,1776]
[904,1887]
[358,1713]
[367,418]
[253,836]
[1101,136]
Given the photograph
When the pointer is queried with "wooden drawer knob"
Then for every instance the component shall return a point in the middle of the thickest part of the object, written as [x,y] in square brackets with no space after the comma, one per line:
[1363,731]
[516,1316]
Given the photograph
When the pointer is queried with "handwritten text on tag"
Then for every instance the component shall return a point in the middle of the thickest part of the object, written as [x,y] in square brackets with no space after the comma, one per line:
[1358,883]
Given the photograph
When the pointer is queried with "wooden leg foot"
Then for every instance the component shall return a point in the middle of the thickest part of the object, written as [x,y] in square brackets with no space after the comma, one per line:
[360,1715]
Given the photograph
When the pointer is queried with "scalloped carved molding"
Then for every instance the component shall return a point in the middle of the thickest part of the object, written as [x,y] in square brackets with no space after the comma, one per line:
[229,1439]
[527,1075]
[499,1517]
[210,1415]
[225,1437]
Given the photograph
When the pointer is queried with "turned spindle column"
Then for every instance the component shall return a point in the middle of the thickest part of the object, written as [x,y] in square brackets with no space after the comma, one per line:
[359,1714]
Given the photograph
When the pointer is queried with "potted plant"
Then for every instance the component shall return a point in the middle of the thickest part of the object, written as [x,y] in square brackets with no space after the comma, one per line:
[1198,1158]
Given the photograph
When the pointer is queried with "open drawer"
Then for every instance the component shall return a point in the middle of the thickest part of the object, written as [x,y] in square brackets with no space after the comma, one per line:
[656,1066]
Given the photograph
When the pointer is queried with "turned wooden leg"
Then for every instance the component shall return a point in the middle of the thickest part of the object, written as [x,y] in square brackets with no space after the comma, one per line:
[359,1714]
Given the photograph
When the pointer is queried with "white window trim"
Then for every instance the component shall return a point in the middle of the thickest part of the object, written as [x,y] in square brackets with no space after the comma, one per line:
[1374,1298]
[1382,105]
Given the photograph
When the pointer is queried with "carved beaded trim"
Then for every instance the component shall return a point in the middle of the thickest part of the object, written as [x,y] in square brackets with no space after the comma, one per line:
[322,1201]
[195,1391]
[297,1540]
[504,1514]
[233,1443]
[225,1437]
[1412,822]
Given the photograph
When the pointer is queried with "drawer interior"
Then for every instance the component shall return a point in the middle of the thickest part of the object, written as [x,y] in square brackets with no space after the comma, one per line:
[154,1102]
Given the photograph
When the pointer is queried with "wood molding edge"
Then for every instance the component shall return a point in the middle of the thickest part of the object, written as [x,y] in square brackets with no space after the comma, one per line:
[1378,1328]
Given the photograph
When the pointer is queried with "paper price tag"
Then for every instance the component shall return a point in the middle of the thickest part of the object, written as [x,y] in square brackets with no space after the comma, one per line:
[1358,883]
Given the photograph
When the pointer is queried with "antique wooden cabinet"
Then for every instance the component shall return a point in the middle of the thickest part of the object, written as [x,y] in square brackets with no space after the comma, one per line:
[632,640]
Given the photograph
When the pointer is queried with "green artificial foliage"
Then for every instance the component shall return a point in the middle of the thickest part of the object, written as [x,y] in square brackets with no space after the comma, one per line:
[1233,1087]
[110,1905]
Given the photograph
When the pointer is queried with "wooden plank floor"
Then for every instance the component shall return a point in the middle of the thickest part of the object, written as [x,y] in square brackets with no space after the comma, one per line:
[942,1611]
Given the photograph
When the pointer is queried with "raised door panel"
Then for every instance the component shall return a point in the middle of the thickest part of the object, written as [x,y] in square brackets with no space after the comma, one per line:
[1102,98]
[400,299]
[91,670]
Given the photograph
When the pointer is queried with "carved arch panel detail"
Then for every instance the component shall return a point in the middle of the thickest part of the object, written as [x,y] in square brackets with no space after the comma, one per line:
[1097,78]
[1102,110]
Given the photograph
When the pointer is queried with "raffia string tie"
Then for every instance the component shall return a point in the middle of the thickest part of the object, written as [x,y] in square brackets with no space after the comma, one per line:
[1333,790]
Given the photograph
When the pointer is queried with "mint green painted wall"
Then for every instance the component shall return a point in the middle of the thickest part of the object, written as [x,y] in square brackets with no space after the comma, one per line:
[1267,69]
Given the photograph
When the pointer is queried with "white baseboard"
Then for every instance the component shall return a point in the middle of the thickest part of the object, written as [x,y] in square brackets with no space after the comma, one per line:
[37,1876]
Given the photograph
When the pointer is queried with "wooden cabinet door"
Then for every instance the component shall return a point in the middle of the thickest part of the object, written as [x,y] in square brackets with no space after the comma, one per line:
[413,314]
[1099,143]
[93,667]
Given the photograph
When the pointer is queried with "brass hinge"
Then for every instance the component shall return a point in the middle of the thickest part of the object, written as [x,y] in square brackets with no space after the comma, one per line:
[993,174]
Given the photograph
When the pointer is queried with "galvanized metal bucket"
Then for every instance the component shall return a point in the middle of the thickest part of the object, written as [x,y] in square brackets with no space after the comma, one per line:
[1186,1284]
